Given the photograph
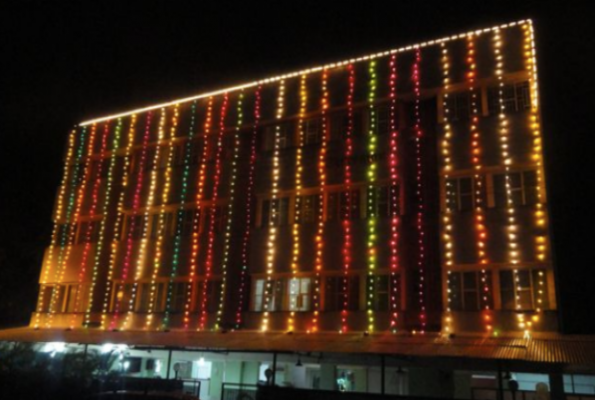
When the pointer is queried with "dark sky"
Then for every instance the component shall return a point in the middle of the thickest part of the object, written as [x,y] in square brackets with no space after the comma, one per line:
[63,62]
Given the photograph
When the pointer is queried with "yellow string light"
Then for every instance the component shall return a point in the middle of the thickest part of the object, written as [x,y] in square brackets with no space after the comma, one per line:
[69,174]
[230,213]
[295,254]
[447,224]
[120,219]
[63,262]
[272,239]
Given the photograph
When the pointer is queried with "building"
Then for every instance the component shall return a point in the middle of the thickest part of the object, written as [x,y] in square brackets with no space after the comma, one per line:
[397,199]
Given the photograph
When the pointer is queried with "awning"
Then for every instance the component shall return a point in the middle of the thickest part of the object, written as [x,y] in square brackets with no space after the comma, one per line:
[554,348]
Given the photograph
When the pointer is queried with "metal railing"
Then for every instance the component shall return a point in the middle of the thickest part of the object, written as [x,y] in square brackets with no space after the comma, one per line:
[492,394]
[236,391]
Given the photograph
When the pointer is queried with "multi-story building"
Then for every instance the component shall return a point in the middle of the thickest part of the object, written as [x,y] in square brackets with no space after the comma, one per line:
[401,193]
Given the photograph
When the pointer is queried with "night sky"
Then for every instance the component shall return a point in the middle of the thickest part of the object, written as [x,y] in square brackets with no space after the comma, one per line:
[63,62]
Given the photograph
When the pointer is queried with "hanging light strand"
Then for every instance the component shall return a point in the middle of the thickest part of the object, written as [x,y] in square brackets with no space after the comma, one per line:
[477,184]
[347,232]
[420,220]
[70,174]
[541,239]
[200,188]
[395,218]
[372,197]
[131,226]
[504,134]
[298,217]
[66,250]
[120,219]
[106,214]
[447,225]
[319,242]
[274,214]
[230,210]
[164,221]
[188,154]
[141,258]
[213,216]
[249,211]
[90,229]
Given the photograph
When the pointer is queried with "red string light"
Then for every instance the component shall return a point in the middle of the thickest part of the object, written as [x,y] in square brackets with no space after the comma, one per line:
[131,228]
[211,234]
[394,197]
[420,220]
[249,193]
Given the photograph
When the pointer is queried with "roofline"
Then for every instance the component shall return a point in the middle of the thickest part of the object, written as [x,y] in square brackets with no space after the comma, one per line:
[307,71]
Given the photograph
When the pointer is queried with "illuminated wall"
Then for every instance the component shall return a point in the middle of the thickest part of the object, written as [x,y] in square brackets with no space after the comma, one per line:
[401,192]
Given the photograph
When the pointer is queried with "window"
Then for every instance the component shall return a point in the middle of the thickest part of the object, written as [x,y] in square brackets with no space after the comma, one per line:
[285,136]
[385,200]
[462,193]
[309,209]
[195,152]
[135,226]
[526,288]
[334,294]
[144,294]
[71,294]
[268,138]
[123,295]
[339,125]
[300,294]
[343,205]
[515,97]
[88,232]
[162,225]
[381,289]
[280,217]
[383,120]
[313,131]
[524,189]
[276,294]
[67,234]
[179,296]
[460,105]
[187,222]
[466,288]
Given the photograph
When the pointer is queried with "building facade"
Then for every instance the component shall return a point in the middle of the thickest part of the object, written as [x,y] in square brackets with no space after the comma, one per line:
[397,192]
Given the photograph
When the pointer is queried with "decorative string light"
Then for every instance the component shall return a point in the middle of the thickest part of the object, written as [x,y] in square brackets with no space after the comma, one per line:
[141,259]
[272,240]
[249,193]
[541,240]
[213,212]
[66,250]
[120,219]
[419,135]
[372,197]
[162,225]
[91,216]
[447,162]
[322,182]
[198,202]
[183,194]
[105,213]
[131,228]
[311,70]
[70,173]
[478,205]
[230,209]
[347,232]
[513,251]
[395,219]
[295,258]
